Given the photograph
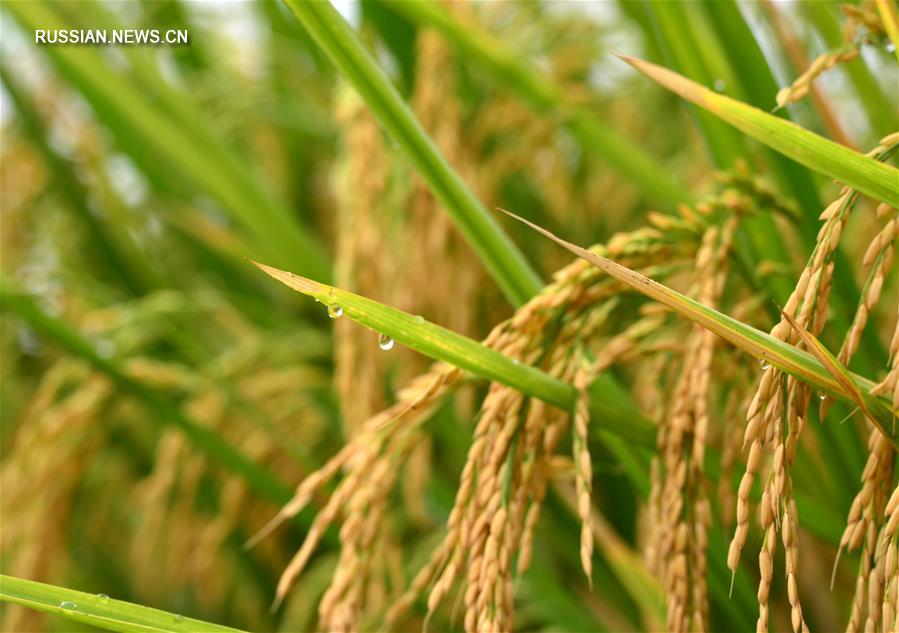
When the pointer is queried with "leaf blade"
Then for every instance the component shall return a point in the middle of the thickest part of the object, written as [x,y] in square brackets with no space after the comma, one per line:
[545,96]
[445,345]
[759,344]
[157,138]
[262,481]
[836,369]
[860,172]
[103,612]
[432,340]
[505,262]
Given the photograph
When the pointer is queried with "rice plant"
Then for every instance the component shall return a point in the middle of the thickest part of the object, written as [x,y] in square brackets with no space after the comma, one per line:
[411,315]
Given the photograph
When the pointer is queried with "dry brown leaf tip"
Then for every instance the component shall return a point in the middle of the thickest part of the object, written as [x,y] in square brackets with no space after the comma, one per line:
[689,90]
[291,280]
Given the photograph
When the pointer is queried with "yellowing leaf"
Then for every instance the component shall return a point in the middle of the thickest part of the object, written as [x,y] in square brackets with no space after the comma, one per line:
[860,172]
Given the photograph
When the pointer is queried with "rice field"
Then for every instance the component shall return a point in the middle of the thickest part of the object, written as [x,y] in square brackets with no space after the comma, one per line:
[425,315]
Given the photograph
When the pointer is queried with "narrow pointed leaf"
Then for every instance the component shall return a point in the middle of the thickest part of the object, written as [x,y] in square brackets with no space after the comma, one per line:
[609,407]
[831,364]
[754,342]
[499,254]
[545,96]
[97,610]
[120,261]
[431,340]
[890,19]
[445,345]
[163,411]
[860,172]
[164,145]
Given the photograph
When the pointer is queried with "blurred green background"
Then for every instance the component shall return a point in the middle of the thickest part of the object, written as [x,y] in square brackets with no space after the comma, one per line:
[160,397]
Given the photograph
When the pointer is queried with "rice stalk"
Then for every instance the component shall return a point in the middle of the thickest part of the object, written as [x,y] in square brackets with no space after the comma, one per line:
[198,545]
[503,260]
[682,510]
[543,94]
[802,84]
[769,349]
[799,60]
[61,424]
[878,258]
[361,264]
[600,419]
[877,103]
[777,415]
[504,480]
[870,523]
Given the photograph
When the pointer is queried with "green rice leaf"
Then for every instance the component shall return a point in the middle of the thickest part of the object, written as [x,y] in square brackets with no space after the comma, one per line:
[860,172]
[445,345]
[762,346]
[162,410]
[171,146]
[837,370]
[541,93]
[503,260]
[120,261]
[97,610]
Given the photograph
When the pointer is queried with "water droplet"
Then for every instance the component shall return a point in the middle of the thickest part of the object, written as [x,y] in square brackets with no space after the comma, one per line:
[765,364]
[385,342]
[335,311]
[891,48]
[822,395]
[68,605]
[719,85]
[102,597]
[515,361]
[419,319]
[178,617]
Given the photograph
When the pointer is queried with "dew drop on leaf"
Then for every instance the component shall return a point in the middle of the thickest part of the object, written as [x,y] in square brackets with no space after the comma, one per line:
[102,597]
[335,311]
[385,342]
[68,605]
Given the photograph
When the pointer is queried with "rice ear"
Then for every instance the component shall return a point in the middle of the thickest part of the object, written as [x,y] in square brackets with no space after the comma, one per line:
[760,345]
